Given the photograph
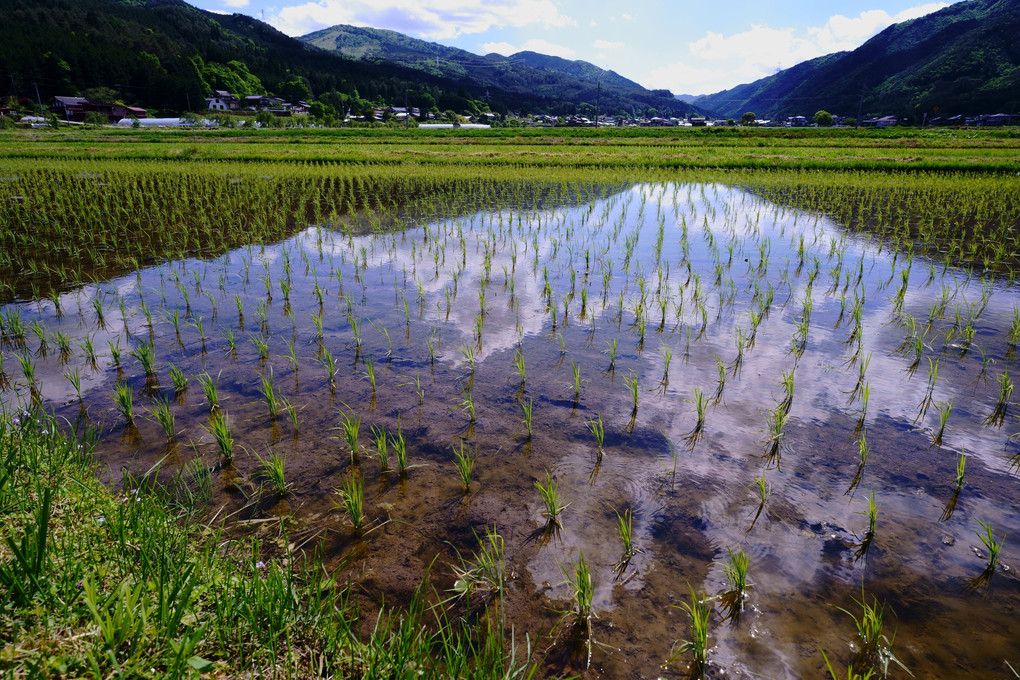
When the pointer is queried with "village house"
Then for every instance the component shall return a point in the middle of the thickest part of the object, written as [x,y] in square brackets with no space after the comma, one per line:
[884,121]
[69,108]
[77,108]
[222,101]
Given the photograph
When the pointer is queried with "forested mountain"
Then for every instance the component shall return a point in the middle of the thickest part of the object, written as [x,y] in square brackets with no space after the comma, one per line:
[964,59]
[568,86]
[168,56]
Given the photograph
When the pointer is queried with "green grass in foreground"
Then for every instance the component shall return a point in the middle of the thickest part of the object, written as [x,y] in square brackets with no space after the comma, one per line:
[99,584]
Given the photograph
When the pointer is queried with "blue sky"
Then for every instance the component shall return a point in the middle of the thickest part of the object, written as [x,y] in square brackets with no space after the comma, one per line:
[690,47]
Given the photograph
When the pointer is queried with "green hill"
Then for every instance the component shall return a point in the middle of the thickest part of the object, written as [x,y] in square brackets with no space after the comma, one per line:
[964,59]
[549,84]
[168,56]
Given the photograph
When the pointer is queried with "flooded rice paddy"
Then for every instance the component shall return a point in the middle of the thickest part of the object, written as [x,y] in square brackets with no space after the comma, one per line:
[717,371]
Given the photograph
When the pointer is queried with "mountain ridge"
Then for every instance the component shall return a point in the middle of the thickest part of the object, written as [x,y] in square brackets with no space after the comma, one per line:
[167,56]
[962,59]
[576,81]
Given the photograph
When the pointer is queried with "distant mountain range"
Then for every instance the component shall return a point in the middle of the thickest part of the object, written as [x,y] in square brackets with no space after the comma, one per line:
[168,55]
[560,85]
[962,59]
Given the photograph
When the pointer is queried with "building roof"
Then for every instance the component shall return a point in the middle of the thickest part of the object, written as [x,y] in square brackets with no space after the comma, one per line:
[72,101]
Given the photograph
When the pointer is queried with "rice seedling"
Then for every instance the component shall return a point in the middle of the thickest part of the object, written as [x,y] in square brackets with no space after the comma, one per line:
[468,352]
[178,379]
[625,528]
[612,355]
[219,428]
[273,469]
[431,345]
[944,408]
[11,325]
[352,499]
[97,307]
[519,365]
[39,331]
[174,317]
[582,589]
[73,377]
[992,545]
[549,492]
[329,363]
[318,334]
[929,395]
[863,412]
[370,372]
[632,385]
[231,339]
[700,402]
[599,432]
[268,392]
[381,439]
[869,535]
[776,423]
[720,382]
[575,371]
[873,649]
[735,569]
[998,415]
[961,465]
[350,425]
[762,489]
[465,462]
[528,408]
[399,445]
[468,403]
[164,415]
[114,347]
[667,359]
[697,646]
[261,344]
[787,382]
[123,398]
[487,570]
[89,348]
[63,344]
[199,323]
[210,389]
[356,331]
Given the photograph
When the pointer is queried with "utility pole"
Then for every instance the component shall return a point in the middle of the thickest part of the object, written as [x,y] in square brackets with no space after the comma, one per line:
[407,112]
[38,99]
[598,98]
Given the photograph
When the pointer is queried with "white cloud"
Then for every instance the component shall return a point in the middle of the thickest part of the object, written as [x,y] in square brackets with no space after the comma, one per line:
[432,19]
[693,79]
[503,48]
[719,61]
[533,45]
[235,3]
[626,16]
[607,44]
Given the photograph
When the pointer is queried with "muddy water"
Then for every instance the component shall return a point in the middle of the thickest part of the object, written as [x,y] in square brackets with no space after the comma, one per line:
[701,276]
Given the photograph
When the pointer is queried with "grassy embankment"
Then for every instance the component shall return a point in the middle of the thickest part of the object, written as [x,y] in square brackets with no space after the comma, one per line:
[100,583]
